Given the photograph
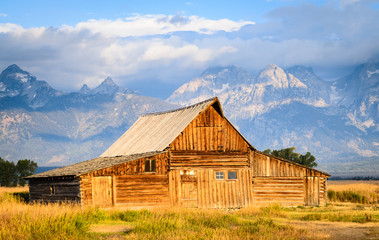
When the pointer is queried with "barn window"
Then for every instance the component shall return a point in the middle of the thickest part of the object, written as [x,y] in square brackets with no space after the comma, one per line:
[232,175]
[52,189]
[150,165]
[219,175]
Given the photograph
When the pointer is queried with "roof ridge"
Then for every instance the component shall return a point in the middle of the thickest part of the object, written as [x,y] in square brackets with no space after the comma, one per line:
[179,109]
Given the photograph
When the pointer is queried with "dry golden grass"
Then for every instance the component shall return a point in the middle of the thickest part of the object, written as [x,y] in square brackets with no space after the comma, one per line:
[19,220]
[366,192]
[13,190]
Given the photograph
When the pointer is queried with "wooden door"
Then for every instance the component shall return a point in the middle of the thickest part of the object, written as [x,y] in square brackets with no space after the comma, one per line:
[188,191]
[312,191]
[102,191]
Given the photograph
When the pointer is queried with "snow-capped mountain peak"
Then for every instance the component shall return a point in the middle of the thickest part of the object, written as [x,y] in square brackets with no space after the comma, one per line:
[85,89]
[294,107]
[278,78]
[109,87]
[108,82]
[12,69]
[14,73]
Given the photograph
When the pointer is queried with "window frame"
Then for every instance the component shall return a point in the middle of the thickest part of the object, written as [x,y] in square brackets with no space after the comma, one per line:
[220,174]
[234,179]
[152,166]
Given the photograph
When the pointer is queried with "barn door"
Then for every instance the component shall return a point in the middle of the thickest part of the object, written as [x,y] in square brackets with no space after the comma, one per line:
[102,191]
[312,191]
[188,190]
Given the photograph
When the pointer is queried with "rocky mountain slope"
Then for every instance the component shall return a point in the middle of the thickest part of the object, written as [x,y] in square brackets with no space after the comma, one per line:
[276,108]
[57,128]
[336,121]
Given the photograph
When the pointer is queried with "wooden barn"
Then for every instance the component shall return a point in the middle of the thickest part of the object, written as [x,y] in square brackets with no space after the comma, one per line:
[190,157]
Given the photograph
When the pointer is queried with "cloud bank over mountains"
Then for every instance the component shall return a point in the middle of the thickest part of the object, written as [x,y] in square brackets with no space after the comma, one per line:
[176,48]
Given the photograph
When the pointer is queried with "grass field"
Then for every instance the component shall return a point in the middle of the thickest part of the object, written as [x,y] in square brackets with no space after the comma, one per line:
[345,217]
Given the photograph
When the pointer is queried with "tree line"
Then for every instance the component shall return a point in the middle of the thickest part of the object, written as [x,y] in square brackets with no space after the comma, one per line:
[12,174]
[307,160]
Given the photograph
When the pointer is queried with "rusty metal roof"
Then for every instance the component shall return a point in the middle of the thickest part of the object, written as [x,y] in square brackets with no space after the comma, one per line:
[92,165]
[155,131]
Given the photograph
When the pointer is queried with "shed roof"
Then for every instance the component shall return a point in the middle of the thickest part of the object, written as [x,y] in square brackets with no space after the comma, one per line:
[92,165]
[155,131]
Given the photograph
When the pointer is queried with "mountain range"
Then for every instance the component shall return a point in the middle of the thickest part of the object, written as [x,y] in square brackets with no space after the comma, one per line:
[336,121]
[56,128]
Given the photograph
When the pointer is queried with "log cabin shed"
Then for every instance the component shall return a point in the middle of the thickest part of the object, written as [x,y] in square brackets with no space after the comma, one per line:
[190,157]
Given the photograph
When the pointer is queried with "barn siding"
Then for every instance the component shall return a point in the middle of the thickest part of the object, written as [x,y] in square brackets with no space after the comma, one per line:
[209,132]
[207,145]
[199,159]
[54,190]
[283,190]
[209,192]
[130,184]
[142,190]
[272,176]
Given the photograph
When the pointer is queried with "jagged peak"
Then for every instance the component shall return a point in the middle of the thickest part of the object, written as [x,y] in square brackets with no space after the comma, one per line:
[13,69]
[108,81]
[84,89]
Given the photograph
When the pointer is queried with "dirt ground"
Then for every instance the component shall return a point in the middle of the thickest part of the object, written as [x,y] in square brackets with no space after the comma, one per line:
[342,230]
[104,228]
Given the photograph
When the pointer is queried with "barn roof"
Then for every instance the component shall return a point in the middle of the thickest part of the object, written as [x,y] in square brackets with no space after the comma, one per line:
[155,131]
[92,165]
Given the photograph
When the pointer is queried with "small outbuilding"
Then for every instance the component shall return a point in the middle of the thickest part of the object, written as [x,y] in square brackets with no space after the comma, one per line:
[190,157]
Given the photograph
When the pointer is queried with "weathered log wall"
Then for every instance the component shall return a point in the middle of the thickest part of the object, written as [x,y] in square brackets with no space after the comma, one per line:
[142,190]
[323,192]
[272,176]
[265,166]
[203,159]
[54,190]
[287,191]
[129,184]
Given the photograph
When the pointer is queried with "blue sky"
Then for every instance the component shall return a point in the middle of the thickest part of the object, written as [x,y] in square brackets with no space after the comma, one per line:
[58,12]
[159,45]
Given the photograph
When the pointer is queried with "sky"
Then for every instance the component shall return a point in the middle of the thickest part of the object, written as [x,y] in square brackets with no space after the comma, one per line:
[155,46]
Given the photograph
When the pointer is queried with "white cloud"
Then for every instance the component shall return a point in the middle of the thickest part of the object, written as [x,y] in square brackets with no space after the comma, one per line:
[359,150]
[176,48]
[147,25]
[9,27]
[57,159]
